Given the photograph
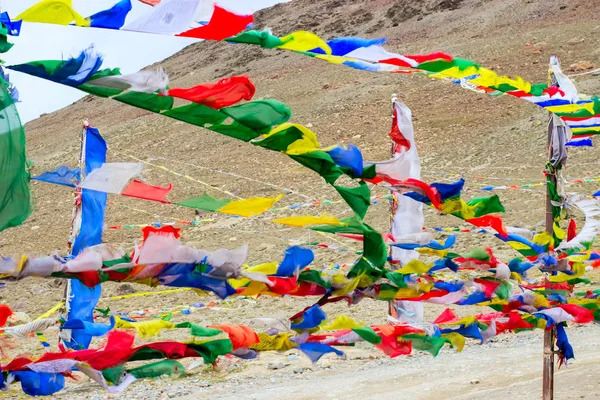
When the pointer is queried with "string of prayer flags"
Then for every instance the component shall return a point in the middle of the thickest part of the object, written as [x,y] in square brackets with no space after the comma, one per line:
[577,110]
[243,208]
[252,120]
[166,17]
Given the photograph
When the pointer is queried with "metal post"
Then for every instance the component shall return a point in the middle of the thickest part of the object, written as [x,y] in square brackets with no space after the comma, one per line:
[549,336]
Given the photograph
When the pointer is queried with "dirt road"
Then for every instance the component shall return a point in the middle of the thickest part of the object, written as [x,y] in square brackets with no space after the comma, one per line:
[507,370]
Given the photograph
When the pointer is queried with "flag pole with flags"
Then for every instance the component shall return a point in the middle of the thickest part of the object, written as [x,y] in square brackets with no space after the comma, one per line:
[406,213]
[88,222]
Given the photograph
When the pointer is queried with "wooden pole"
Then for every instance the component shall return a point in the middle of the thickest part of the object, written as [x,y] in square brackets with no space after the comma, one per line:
[75,223]
[549,335]
[391,308]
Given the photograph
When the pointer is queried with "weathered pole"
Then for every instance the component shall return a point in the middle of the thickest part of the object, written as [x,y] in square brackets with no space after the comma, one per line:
[549,336]
[393,204]
[76,220]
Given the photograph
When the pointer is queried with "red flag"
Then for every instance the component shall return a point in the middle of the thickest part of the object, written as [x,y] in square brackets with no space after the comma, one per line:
[308,289]
[5,312]
[225,92]
[394,348]
[580,314]
[151,2]
[446,316]
[489,287]
[515,321]
[282,285]
[572,230]
[421,58]
[144,191]
[397,136]
[493,221]
[222,24]
[167,230]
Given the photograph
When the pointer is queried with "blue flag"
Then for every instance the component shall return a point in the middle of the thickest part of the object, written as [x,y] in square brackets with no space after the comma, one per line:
[63,175]
[84,299]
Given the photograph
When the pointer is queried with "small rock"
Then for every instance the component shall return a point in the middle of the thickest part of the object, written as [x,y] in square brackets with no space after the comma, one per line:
[293,357]
[581,66]
[125,288]
[309,125]
[474,381]
[326,86]
[38,289]
[275,366]
[55,283]
[298,370]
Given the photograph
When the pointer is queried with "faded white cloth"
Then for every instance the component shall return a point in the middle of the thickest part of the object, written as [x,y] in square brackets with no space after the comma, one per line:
[111,177]
[591,228]
[158,249]
[374,53]
[142,81]
[168,18]
[86,261]
[557,314]
[43,266]
[31,327]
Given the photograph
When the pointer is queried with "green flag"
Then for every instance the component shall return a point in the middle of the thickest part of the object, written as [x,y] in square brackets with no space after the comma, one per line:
[204,202]
[15,198]
[156,369]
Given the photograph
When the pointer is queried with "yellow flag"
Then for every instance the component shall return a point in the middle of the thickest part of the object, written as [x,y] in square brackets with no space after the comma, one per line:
[457,340]
[559,233]
[414,267]
[586,129]
[249,207]
[303,41]
[407,293]
[458,206]
[540,301]
[306,220]
[543,239]
[341,322]
[432,252]
[571,108]
[349,286]
[255,289]
[267,269]
[308,142]
[335,59]
[279,342]
[146,329]
[578,270]
[58,12]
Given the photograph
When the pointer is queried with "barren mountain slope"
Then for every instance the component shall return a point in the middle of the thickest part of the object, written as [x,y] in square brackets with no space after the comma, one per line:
[489,141]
